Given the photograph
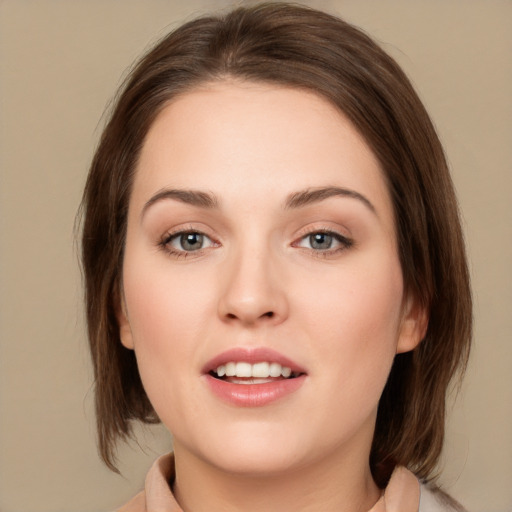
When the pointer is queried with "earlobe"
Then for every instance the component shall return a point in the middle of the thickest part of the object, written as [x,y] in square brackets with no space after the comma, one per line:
[413,327]
[125,331]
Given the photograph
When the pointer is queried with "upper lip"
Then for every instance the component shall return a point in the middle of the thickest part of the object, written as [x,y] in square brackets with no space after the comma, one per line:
[251,355]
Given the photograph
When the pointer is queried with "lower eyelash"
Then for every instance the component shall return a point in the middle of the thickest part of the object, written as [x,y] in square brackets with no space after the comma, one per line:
[164,244]
[346,243]
[177,254]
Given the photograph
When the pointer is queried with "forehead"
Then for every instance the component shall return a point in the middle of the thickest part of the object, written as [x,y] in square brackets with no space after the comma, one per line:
[252,138]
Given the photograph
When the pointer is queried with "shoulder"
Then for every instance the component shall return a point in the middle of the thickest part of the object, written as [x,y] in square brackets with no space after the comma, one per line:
[435,500]
[136,504]
[157,494]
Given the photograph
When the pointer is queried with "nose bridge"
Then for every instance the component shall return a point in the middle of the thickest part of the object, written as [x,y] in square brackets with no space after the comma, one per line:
[252,289]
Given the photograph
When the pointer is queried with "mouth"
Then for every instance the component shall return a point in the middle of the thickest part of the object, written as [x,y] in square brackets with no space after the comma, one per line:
[253,377]
[262,372]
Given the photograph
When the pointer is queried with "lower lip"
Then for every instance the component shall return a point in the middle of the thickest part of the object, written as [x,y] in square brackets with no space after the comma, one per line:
[253,395]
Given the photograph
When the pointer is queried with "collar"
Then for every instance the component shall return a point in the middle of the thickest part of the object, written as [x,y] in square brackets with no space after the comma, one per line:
[401,495]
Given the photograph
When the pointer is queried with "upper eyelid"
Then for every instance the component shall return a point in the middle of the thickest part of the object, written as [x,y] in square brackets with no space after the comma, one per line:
[309,230]
[334,234]
[170,233]
[165,244]
[299,234]
[344,239]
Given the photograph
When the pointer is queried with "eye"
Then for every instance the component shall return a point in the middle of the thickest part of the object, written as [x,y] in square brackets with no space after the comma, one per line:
[324,241]
[187,241]
[320,241]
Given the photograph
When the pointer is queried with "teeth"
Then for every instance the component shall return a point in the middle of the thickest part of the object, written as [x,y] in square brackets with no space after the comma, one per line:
[230,369]
[243,370]
[275,370]
[262,370]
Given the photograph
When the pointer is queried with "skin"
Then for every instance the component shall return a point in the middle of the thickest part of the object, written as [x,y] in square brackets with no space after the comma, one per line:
[340,313]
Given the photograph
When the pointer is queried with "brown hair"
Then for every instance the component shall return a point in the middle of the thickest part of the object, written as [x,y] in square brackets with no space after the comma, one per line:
[303,48]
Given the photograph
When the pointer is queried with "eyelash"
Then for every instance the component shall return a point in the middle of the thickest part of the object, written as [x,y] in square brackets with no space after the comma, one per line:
[344,243]
[165,243]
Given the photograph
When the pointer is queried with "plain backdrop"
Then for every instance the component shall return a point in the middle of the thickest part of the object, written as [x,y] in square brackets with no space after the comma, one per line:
[60,63]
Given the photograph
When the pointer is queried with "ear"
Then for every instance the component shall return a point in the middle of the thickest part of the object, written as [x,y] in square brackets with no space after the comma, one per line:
[125,331]
[413,327]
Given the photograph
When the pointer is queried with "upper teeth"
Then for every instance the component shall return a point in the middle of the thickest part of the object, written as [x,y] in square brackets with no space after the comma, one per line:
[262,370]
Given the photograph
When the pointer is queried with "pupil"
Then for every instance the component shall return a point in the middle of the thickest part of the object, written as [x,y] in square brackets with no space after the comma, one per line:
[191,241]
[321,241]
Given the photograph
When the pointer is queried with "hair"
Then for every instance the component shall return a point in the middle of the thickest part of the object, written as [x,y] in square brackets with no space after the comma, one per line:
[298,47]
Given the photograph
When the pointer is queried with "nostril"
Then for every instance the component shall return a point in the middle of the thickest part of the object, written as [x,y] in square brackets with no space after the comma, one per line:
[249,316]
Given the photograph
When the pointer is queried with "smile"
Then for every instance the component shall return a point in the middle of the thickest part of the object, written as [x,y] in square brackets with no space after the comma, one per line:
[252,377]
[256,373]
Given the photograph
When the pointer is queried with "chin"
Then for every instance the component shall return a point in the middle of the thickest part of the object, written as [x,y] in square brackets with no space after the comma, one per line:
[255,462]
[252,450]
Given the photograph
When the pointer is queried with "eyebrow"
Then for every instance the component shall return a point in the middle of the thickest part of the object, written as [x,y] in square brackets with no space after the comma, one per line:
[191,197]
[315,195]
[296,200]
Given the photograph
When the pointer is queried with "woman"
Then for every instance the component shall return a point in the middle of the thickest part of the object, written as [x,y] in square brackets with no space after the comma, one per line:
[275,269]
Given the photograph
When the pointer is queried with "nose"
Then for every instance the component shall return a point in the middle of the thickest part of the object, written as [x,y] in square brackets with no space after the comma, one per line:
[253,290]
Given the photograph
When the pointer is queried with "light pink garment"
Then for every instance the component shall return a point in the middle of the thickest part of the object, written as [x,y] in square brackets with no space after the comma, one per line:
[401,495]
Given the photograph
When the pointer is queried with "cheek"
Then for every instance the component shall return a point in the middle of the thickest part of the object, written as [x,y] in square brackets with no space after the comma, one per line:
[165,310]
[166,317]
[353,330]
[161,298]
[357,316]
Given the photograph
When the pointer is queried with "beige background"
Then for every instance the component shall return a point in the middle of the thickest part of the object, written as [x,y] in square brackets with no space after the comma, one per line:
[60,62]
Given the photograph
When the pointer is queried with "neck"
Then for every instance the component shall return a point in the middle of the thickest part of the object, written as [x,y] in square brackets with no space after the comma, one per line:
[344,486]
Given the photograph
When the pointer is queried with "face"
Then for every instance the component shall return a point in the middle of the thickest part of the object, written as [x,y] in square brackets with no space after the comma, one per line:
[262,288]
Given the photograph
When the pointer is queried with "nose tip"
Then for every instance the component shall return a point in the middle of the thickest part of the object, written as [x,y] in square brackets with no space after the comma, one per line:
[252,294]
